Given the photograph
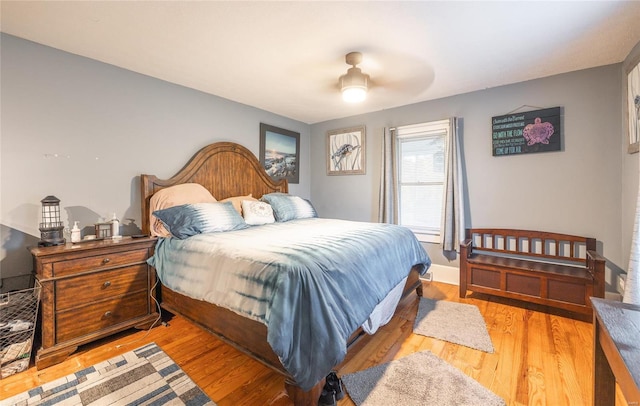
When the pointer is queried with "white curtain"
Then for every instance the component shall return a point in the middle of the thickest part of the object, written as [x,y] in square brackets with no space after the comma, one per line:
[632,283]
[388,197]
[452,228]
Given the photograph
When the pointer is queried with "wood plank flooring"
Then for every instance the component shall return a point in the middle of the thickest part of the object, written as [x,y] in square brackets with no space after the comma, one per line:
[539,359]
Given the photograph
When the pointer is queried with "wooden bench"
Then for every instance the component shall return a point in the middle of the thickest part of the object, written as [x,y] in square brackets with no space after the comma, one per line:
[551,269]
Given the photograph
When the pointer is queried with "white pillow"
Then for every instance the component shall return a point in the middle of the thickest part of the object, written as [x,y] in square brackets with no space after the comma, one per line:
[256,213]
[237,201]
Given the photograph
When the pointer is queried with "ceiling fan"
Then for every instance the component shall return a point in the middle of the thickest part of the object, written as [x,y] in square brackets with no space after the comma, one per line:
[387,74]
[354,84]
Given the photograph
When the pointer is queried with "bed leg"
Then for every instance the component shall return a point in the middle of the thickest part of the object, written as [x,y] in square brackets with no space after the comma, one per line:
[419,290]
[302,398]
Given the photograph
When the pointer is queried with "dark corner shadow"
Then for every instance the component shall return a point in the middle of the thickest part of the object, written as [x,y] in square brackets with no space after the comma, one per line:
[611,283]
[16,267]
[133,213]
[87,219]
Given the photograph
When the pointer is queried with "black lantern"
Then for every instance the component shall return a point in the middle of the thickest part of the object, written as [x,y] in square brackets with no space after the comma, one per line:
[51,228]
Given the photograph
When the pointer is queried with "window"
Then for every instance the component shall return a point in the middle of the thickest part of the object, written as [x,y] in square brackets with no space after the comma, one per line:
[421,169]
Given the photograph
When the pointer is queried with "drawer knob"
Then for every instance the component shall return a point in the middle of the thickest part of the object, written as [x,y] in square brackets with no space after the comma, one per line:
[107,315]
[106,261]
[107,284]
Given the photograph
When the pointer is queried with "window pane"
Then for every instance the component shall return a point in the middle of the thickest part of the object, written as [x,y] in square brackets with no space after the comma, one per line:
[422,160]
[421,206]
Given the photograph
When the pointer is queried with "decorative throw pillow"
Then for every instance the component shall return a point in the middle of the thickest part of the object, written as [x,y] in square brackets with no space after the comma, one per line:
[256,213]
[191,219]
[288,207]
[237,201]
[186,193]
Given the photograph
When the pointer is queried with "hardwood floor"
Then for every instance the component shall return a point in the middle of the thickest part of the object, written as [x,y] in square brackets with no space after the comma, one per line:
[539,359]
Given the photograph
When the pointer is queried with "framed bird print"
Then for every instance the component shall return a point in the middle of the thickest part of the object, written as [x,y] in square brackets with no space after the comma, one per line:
[346,151]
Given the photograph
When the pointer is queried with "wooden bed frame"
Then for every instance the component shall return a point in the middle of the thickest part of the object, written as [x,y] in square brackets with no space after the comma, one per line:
[227,169]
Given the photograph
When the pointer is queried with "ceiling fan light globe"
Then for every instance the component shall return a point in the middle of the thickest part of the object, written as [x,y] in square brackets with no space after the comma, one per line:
[354,94]
[354,85]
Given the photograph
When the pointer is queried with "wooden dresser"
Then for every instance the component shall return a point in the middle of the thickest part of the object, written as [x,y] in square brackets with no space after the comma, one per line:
[91,290]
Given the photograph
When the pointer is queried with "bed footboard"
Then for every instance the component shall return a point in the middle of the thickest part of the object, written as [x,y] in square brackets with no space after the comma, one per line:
[250,337]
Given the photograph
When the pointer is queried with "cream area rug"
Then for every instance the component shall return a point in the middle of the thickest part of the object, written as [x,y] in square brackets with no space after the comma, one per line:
[457,323]
[145,376]
[420,379]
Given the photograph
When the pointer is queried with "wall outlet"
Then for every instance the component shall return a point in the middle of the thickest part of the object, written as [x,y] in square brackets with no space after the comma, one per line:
[621,281]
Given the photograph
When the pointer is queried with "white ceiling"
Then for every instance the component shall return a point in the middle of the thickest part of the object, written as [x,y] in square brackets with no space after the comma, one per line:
[286,57]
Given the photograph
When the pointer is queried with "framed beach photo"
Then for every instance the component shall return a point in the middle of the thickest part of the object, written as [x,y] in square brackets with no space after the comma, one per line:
[346,151]
[633,106]
[280,153]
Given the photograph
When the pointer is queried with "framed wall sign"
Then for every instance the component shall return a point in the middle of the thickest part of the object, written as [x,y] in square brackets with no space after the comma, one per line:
[633,106]
[346,151]
[527,132]
[280,153]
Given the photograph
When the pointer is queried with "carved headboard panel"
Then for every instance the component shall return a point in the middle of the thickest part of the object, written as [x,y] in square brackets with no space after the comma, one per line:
[226,169]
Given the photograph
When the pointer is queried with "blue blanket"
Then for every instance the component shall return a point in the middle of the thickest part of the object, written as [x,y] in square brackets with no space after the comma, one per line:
[311,281]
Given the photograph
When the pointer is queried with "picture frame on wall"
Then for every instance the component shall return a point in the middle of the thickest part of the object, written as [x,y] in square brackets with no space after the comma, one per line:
[527,132]
[280,153]
[633,106]
[346,151]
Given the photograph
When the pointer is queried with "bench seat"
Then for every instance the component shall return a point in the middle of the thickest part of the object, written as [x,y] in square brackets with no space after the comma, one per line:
[537,267]
[528,266]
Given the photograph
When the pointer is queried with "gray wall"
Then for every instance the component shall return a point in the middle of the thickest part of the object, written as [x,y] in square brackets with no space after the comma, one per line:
[575,191]
[630,162]
[108,125]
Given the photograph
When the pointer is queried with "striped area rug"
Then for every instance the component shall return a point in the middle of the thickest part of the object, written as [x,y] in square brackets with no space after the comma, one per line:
[145,376]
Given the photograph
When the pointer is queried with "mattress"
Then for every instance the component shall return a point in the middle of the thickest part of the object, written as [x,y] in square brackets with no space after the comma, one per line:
[312,282]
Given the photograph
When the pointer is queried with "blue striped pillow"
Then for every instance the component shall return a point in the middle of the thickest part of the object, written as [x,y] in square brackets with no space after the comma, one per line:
[287,207]
[190,219]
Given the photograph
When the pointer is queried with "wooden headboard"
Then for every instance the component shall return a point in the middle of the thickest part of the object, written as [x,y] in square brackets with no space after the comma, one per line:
[226,169]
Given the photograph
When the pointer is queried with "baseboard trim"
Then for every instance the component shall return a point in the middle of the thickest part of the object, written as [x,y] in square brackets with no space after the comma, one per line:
[445,274]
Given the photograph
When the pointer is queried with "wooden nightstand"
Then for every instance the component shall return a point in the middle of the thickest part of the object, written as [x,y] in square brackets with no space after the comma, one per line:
[91,290]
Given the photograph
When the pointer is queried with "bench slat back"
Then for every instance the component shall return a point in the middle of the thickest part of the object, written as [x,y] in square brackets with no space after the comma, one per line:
[540,244]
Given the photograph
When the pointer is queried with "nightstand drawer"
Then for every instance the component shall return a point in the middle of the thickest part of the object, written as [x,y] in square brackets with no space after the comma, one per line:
[90,291]
[94,287]
[97,316]
[100,261]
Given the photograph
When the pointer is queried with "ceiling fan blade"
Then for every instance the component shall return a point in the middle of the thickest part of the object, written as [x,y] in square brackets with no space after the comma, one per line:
[410,85]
